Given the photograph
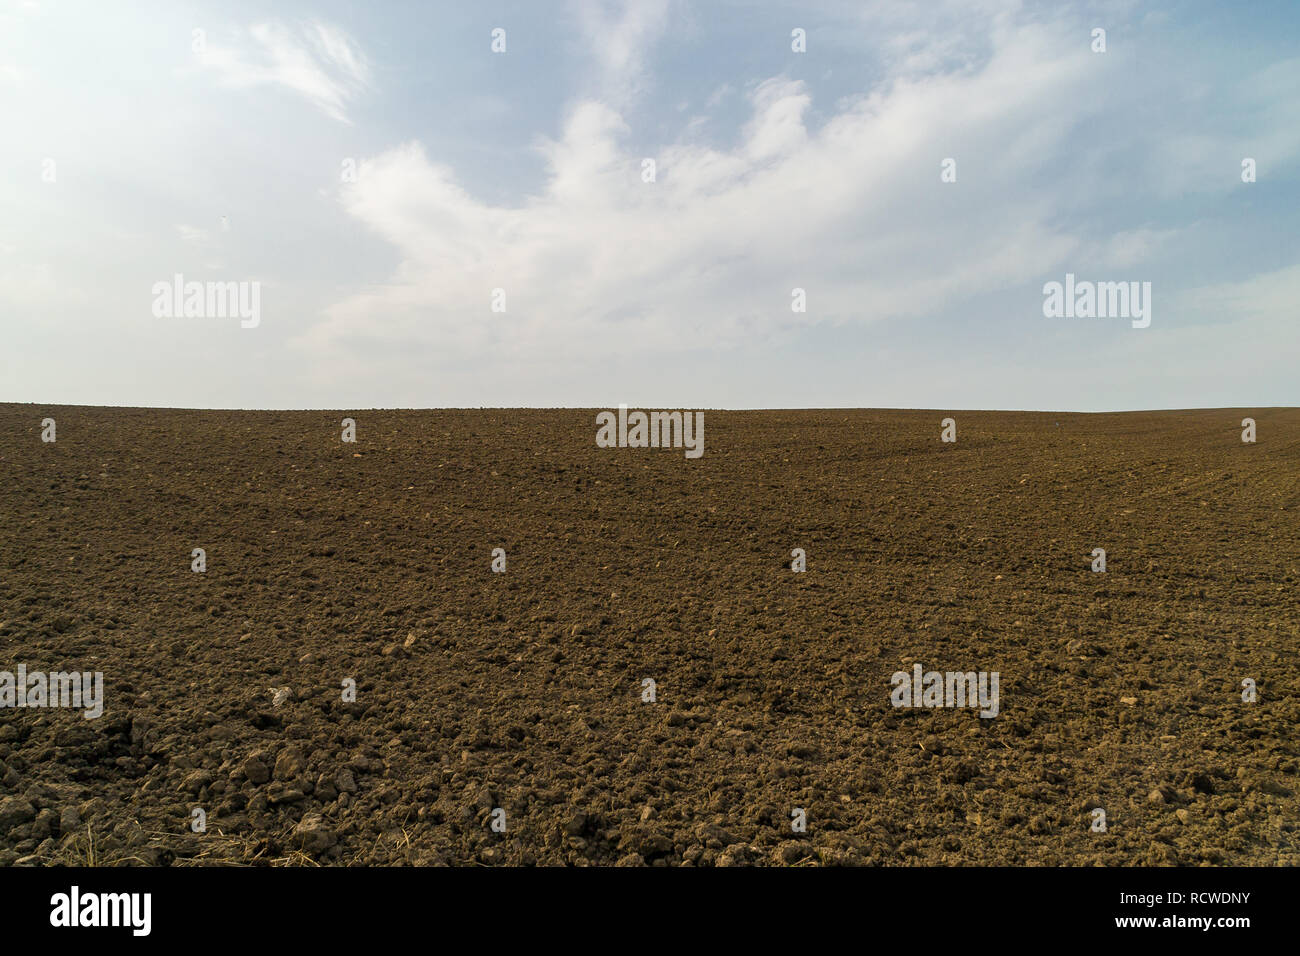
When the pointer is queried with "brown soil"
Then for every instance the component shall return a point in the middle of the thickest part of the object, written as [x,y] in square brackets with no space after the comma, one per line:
[523,690]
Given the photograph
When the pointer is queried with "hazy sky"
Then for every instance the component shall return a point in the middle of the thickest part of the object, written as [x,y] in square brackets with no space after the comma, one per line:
[133,149]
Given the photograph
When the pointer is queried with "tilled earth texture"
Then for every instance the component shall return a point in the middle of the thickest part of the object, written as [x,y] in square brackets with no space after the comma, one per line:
[506,717]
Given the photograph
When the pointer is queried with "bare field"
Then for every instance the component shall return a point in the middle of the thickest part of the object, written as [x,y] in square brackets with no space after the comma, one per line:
[517,697]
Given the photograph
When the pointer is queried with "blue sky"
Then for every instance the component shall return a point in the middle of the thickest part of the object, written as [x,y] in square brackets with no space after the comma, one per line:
[131,153]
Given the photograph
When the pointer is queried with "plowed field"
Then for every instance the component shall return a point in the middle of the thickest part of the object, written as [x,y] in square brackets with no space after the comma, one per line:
[502,718]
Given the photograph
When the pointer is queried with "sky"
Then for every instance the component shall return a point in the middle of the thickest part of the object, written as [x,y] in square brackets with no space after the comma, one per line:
[428,221]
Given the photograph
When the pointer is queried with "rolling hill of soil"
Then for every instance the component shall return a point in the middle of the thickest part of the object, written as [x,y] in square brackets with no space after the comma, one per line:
[516,701]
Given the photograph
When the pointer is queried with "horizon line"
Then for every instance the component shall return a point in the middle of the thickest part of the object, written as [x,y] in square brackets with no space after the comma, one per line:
[585,408]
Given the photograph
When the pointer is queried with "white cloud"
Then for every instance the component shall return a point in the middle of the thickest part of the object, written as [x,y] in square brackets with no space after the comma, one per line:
[1220,344]
[620,36]
[316,60]
[853,212]
[1269,297]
